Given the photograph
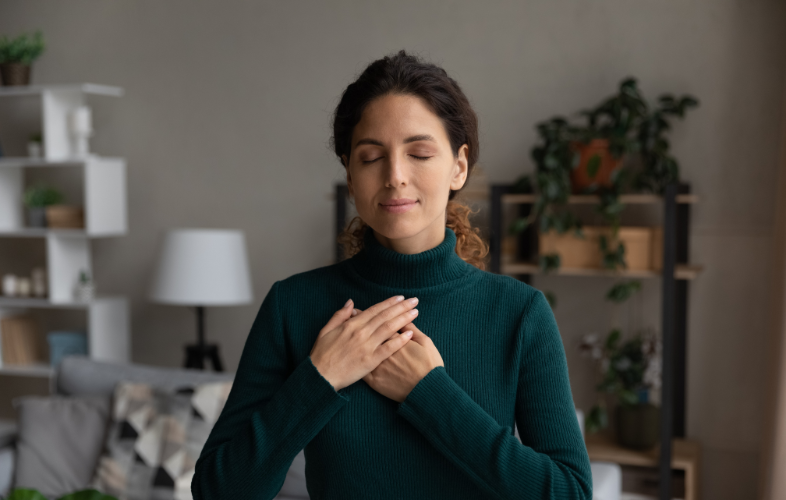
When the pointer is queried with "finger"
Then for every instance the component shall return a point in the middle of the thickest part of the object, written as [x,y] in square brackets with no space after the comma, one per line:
[338,317]
[386,349]
[392,318]
[364,317]
[417,335]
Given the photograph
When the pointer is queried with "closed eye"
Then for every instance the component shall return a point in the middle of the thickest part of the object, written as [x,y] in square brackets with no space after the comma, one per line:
[370,161]
[421,157]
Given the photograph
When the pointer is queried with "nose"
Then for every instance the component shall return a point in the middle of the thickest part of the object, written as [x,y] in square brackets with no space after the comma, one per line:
[397,171]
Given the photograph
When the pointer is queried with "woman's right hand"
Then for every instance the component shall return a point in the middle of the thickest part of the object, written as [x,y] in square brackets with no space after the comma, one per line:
[349,347]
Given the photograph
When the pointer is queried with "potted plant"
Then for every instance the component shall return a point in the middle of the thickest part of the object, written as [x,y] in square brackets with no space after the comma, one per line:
[630,370]
[17,55]
[35,145]
[37,198]
[608,136]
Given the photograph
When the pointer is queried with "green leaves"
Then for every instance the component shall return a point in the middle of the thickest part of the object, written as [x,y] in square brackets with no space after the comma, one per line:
[593,165]
[597,418]
[23,49]
[29,494]
[25,494]
[623,291]
[41,196]
[549,262]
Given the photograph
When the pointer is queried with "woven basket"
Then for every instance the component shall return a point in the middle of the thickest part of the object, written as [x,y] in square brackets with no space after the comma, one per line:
[65,216]
[14,74]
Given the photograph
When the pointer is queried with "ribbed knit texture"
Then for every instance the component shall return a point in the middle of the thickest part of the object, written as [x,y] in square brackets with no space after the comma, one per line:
[451,438]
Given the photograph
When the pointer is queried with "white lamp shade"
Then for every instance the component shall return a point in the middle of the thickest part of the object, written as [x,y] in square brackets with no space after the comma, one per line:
[203,267]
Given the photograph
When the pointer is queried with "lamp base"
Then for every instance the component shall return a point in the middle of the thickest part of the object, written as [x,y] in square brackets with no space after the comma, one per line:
[196,354]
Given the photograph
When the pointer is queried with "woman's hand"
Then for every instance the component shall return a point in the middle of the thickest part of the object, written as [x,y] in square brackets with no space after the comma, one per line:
[349,346]
[396,376]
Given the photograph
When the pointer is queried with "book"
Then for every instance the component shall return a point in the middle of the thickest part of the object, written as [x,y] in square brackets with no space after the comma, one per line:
[22,342]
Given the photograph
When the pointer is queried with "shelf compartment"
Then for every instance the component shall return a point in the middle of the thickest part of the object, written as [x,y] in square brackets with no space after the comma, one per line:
[108,333]
[105,204]
[682,271]
[57,102]
[685,456]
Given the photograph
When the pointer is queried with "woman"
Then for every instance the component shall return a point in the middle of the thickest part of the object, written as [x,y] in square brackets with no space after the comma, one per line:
[388,400]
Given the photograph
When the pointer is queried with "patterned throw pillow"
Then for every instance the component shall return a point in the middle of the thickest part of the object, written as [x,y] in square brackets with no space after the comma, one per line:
[155,438]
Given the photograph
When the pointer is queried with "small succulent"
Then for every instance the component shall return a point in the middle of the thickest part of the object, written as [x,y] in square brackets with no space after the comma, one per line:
[23,49]
[41,196]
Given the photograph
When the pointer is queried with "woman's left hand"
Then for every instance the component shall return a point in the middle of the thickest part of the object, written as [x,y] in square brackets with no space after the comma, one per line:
[400,373]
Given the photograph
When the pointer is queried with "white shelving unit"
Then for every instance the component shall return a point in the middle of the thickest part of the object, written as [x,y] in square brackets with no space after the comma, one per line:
[68,251]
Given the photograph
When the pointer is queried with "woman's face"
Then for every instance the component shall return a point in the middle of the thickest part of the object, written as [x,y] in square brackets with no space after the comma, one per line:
[401,151]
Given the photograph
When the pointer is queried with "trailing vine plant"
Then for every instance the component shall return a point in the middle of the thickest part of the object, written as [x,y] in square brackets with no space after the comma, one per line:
[633,131]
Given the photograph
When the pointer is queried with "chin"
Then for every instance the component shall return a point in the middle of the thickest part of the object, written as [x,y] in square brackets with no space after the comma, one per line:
[396,230]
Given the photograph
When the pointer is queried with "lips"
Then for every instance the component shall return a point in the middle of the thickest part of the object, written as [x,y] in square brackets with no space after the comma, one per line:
[398,206]
[399,201]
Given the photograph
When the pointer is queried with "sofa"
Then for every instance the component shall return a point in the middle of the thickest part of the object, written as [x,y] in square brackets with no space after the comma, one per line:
[81,376]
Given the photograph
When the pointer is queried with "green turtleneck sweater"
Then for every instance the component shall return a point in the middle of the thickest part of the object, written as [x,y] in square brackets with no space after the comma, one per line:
[451,438]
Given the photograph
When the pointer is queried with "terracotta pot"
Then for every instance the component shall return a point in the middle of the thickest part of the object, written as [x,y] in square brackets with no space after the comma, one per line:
[579,177]
[638,426]
[13,74]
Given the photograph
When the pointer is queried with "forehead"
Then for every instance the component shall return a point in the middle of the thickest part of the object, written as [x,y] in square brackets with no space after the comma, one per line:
[394,117]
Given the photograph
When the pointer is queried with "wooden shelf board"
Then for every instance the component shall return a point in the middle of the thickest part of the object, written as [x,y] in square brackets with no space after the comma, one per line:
[39,303]
[682,271]
[684,453]
[628,199]
[87,88]
[35,370]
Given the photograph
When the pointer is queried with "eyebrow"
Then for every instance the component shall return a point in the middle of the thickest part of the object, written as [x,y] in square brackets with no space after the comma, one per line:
[414,138]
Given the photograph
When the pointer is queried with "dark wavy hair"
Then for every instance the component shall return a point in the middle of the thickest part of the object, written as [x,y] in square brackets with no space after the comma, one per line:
[406,74]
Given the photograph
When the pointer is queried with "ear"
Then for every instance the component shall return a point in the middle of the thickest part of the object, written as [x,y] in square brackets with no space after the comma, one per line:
[460,169]
[349,177]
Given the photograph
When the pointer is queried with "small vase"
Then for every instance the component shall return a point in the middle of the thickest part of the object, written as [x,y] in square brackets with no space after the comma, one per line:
[9,285]
[638,426]
[14,74]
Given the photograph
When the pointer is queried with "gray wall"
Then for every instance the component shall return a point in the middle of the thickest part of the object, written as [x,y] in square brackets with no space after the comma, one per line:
[226,124]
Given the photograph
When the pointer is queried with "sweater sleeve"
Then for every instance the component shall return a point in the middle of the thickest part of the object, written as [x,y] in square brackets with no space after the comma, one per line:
[550,461]
[271,413]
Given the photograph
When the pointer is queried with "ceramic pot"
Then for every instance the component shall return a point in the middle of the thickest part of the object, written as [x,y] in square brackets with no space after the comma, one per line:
[580,179]
[36,216]
[638,426]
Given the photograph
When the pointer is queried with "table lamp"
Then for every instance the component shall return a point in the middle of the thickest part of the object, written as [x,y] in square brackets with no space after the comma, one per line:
[199,268]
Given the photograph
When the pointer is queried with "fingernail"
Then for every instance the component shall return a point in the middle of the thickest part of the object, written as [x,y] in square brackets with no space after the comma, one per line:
[354,312]
[407,334]
[399,298]
[348,302]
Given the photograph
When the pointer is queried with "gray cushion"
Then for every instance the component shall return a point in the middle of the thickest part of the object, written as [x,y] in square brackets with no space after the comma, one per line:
[59,442]
[82,376]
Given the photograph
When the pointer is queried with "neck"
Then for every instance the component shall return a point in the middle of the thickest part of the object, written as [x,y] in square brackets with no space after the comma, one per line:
[386,267]
[426,239]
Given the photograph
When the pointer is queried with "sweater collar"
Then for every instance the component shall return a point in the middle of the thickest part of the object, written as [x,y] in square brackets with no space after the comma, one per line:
[389,268]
